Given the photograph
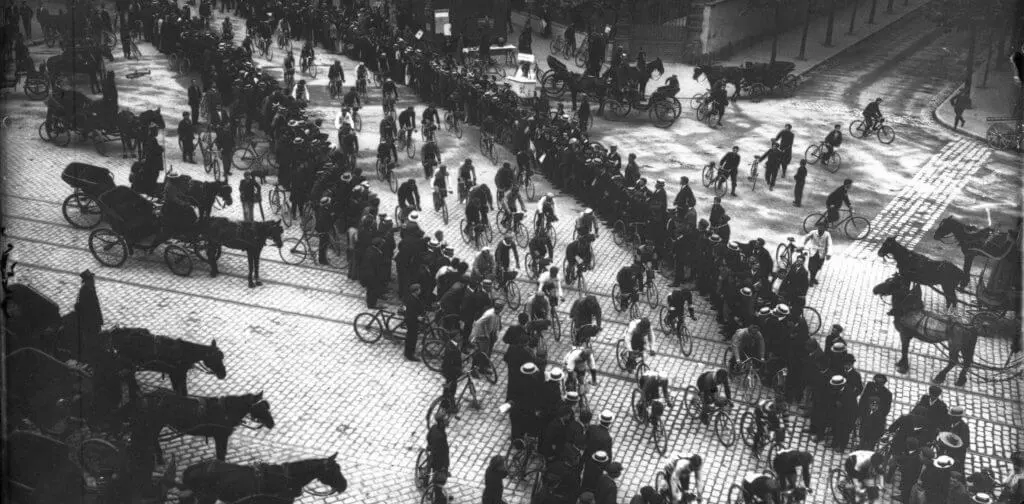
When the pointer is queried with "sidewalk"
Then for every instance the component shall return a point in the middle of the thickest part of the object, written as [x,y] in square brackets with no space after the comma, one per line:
[789,42]
[990,106]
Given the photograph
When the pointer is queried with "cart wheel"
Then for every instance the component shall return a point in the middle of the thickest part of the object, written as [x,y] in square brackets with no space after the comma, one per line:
[293,251]
[81,211]
[757,92]
[61,134]
[108,247]
[100,457]
[178,260]
[199,249]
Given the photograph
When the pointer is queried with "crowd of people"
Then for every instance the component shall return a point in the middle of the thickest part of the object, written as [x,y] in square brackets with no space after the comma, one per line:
[547,399]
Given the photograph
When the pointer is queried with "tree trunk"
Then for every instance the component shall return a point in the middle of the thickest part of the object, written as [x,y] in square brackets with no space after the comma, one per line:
[888,8]
[853,16]
[775,32]
[988,58]
[831,23]
[871,15]
[803,36]
[969,66]
[1001,58]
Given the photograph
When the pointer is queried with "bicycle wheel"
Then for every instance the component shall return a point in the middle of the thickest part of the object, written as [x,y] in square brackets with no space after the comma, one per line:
[431,349]
[834,161]
[813,319]
[811,221]
[836,485]
[721,187]
[392,179]
[685,339]
[108,247]
[636,405]
[512,295]
[691,399]
[707,176]
[811,154]
[616,302]
[178,260]
[660,436]
[857,227]
[368,327]
[724,429]
[293,251]
[556,46]
[651,294]
[464,231]
[621,354]
[243,157]
[857,129]
[410,149]
[886,134]
[422,469]
[696,100]
[748,429]
[619,232]
[440,404]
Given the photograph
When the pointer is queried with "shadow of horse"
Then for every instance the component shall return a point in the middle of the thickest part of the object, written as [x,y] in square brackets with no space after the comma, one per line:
[215,417]
[912,321]
[214,480]
[923,270]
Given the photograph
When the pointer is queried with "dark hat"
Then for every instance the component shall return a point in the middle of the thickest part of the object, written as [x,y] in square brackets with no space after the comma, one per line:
[934,390]
[614,469]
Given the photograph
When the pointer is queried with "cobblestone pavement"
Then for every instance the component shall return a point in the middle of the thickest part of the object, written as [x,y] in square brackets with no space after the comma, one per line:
[329,392]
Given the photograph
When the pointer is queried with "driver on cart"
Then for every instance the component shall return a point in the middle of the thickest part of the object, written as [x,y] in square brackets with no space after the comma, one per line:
[670,89]
[180,212]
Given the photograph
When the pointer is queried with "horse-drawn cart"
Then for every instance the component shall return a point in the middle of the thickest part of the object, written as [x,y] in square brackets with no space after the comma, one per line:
[763,79]
[81,209]
[135,223]
[999,283]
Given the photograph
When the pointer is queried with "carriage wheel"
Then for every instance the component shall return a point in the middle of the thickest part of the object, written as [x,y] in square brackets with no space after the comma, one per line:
[45,133]
[199,249]
[100,457]
[81,211]
[757,92]
[620,109]
[789,85]
[108,247]
[178,260]
[662,113]
[60,133]
[36,89]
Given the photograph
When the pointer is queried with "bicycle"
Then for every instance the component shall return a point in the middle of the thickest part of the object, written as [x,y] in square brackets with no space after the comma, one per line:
[426,480]
[361,87]
[265,48]
[248,157]
[212,165]
[581,386]
[711,175]
[854,226]
[583,335]
[509,290]
[678,328]
[784,254]
[514,224]
[841,486]
[357,119]
[521,456]
[296,250]
[284,39]
[408,142]
[621,236]
[336,87]
[884,132]
[280,204]
[651,413]
[708,114]
[388,105]
[632,304]
[526,184]
[819,151]
[721,418]
[451,124]
[548,229]
[749,431]
[308,66]
[753,172]
[747,372]
[371,327]
[474,236]
[487,145]
[630,360]
[441,203]
[402,214]
[576,276]
[698,99]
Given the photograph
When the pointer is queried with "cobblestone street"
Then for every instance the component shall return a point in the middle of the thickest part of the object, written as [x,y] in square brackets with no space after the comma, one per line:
[329,392]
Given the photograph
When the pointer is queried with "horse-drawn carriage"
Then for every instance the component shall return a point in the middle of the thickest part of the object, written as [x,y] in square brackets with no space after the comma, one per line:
[70,112]
[755,80]
[82,209]
[136,223]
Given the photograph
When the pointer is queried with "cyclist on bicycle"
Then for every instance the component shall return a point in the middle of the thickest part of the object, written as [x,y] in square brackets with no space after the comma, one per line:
[866,469]
[482,194]
[545,214]
[503,253]
[767,418]
[524,161]
[646,255]
[429,129]
[430,114]
[351,99]
[786,463]
[747,343]
[389,89]
[628,279]
[437,444]
[336,76]
[307,55]
[467,178]
[579,257]
[833,140]
[440,185]
[407,122]
[585,313]
[512,203]
[836,199]
[872,115]
[678,473]
[761,488]
[388,130]
[641,338]
[504,179]
[408,197]
[678,301]
[542,251]
[577,362]
[301,92]
[361,75]
[550,284]
[655,386]
[289,66]
[386,151]
[708,384]
[586,224]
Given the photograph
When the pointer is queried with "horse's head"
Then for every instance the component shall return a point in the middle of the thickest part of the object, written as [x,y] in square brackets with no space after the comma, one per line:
[153,117]
[259,410]
[224,192]
[329,473]
[214,360]
[890,286]
[888,246]
[946,227]
[274,231]
[697,71]
[658,65]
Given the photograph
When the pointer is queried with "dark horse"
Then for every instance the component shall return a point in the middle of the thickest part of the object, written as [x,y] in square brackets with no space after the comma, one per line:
[214,480]
[171,356]
[205,194]
[215,417]
[923,270]
[914,322]
[81,59]
[591,85]
[135,129]
[974,241]
[641,76]
[250,237]
[714,73]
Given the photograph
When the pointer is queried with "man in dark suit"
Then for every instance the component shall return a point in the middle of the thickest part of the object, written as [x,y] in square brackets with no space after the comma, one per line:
[607,490]
[413,310]
[785,140]
[195,97]
[932,407]
[598,437]
[685,200]
[187,136]
[373,272]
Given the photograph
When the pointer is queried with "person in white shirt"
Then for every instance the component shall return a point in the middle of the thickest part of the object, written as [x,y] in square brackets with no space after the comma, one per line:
[544,213]
[821,244]
[550,284]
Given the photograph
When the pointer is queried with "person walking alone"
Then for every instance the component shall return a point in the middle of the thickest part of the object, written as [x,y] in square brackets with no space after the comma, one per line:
[959,103]
[249,192]
[798,186]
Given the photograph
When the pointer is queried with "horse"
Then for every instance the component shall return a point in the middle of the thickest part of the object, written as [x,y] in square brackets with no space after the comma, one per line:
[214,480]
[205,194]
[713,73]
[589,84]
[642,76]
[924,270]
[250,237]
[974,241]
[75,60]
[43,390]
[912,321]
[135,129]
[215,417]
[171,356]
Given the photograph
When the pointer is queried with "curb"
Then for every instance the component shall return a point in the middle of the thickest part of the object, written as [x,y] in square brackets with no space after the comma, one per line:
[947,125]
[861,41]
